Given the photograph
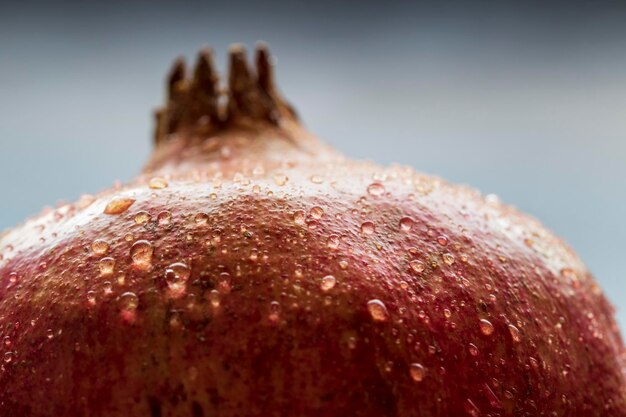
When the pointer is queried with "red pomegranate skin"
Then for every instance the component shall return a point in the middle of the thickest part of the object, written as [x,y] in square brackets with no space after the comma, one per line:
[259,273]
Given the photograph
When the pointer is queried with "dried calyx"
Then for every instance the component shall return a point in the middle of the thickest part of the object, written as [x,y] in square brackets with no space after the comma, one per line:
[200,104]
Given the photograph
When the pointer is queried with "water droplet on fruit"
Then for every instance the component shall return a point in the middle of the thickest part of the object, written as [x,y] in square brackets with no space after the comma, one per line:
[274,315]
[158,183]
[406,224]
[328,283]
[201,219]
[254,255]
[106,266]
[442,240]
[8,357]
[417,266]
[352,342]
[175,321]
[176,276]
[13,277]
[164,218]
[377,310]
[317,212]
[118,205]
[214,298]
[515,333]
[316,179]
[569,273]
[100,247]
[417,372]
[473,349]
[223,285]
[486,327]
[299,217]
[333,242]
[128,306]
[280,179]
[258,170]
[142,217]
[141,253]
[368,228]
[448,258]
[298,271]
[49,334]
[91,298]
[376,189]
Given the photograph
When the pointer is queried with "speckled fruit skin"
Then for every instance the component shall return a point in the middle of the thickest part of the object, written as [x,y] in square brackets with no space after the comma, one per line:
[499,316]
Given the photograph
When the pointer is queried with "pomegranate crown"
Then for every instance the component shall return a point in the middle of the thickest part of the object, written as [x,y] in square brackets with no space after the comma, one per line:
[198,103]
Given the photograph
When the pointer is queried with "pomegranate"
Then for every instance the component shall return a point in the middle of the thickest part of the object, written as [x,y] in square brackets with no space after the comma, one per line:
[251,270]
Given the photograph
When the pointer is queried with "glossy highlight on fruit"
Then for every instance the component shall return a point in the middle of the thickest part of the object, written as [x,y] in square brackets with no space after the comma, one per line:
[251,270]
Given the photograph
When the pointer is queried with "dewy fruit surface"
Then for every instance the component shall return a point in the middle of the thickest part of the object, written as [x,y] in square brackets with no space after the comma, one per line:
[251,270]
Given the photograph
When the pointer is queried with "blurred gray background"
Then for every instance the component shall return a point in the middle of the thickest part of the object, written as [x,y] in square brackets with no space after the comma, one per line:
[527,101]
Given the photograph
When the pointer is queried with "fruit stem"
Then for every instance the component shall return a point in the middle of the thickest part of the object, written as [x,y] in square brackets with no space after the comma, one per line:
[197,103]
